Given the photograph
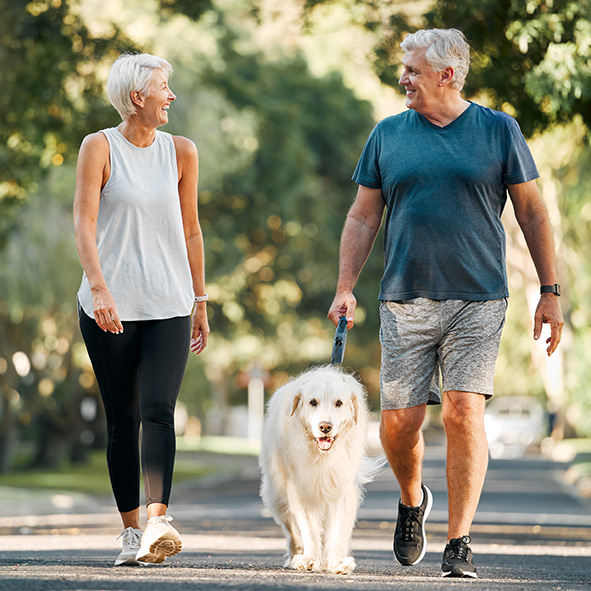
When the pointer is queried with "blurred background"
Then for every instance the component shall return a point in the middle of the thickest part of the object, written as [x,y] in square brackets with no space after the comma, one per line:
[279,96]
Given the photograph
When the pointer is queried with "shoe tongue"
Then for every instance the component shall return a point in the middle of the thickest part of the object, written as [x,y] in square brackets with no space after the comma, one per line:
[417,506]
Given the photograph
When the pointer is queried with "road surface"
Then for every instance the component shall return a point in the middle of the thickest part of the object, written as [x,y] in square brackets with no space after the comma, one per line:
[531,532]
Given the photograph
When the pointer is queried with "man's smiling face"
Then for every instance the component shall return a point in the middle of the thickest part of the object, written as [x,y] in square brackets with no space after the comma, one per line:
[420,81]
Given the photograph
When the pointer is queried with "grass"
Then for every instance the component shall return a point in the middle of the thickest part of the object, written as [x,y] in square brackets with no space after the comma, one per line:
[91,477]
[236,446]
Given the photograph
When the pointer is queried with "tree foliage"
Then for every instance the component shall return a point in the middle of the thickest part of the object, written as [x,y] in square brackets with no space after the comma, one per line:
[52,95]
[194,9]
[52,92]
[45,375]
[531,58]
[273,211]
[295,188]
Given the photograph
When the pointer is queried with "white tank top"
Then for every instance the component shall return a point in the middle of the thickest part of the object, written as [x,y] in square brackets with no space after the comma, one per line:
[140,235]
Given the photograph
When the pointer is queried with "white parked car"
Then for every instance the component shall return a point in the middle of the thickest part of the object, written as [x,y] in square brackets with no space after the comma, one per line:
[513,423]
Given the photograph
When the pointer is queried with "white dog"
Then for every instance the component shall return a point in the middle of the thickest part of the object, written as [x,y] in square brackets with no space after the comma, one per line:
[313,463]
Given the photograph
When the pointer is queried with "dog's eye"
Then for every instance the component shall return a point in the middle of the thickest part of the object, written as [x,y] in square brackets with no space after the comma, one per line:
[338,403]
[313,402]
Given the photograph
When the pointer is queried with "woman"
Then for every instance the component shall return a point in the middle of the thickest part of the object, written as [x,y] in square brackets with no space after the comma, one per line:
[141,248]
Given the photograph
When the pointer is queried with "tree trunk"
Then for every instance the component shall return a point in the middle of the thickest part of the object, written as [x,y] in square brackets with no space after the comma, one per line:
[6,427]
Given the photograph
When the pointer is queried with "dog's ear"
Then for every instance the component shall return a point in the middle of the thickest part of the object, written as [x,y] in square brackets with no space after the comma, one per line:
[356,392]
[355,404]
[296,401]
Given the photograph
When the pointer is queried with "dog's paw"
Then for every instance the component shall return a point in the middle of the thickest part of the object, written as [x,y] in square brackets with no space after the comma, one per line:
[302,562]
[341,566]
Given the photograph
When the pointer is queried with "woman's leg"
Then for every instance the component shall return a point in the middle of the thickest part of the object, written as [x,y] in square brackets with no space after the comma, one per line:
[163,357]
[115,361]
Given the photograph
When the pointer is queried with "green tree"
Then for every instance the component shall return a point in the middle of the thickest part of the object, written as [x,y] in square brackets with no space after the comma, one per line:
[44,370]
[531,58]
[52,93]
[273,212]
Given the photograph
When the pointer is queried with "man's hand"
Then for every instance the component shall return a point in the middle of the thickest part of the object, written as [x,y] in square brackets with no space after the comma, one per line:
[548,312]
[344,304]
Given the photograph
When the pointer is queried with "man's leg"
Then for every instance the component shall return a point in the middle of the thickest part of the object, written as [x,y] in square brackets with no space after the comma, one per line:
[467,355]
[404,446]
[409,334]
[467,457]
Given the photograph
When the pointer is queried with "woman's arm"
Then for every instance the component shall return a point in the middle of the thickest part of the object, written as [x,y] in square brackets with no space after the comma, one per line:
[92,173]
[188,167]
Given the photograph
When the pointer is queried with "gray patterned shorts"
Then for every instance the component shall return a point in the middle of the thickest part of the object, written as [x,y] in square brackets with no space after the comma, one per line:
[421,338]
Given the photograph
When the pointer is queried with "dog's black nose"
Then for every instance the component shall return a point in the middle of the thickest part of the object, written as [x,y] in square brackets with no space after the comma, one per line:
[325,427]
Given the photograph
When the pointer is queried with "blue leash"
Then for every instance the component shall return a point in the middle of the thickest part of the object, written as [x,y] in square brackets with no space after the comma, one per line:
[340,340]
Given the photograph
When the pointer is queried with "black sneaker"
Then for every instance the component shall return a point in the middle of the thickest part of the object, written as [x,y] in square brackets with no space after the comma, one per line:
[457,559]
[410,542]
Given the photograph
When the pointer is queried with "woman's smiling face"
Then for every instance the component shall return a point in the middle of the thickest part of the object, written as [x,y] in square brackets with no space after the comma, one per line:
[158,98]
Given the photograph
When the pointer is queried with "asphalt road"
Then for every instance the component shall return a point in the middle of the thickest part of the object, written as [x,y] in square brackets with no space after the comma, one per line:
[531,532]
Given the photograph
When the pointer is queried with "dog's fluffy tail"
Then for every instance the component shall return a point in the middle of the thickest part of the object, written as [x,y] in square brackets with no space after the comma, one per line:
[370,469]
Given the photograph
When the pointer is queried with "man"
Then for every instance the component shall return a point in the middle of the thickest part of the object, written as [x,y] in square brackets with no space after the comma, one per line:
[442,169]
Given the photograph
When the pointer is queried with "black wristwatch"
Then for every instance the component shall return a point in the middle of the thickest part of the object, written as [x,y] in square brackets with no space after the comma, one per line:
[555,289]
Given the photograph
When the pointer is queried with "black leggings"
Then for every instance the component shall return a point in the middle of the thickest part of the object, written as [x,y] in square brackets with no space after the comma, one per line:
[139,373]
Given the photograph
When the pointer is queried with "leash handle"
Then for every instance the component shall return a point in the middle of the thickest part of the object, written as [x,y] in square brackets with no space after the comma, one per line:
[340,340]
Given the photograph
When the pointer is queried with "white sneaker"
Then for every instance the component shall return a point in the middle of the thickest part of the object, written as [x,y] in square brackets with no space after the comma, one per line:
[131,544]
[159,540]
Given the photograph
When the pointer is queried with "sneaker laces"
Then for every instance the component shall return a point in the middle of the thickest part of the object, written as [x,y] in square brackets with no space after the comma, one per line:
[411,520]
[131,536]
[458,548]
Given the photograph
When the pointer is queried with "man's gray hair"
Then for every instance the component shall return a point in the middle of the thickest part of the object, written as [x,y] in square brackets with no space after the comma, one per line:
[445,48]
[129,73]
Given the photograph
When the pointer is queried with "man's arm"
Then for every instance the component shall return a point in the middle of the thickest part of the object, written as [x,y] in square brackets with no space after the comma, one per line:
[532,216]
[359,234]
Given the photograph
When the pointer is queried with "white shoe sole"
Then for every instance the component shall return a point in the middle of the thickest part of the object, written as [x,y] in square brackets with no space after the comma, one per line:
[129,561]
[425,515]
[159,550]
[464,575]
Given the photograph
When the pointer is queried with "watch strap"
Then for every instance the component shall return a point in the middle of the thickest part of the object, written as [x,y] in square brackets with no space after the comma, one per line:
[555,289]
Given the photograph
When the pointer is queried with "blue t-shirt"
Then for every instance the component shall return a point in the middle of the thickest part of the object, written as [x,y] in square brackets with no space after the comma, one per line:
[445,190]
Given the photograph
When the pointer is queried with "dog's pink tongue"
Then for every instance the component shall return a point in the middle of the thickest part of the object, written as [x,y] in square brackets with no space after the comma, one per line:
[324,443]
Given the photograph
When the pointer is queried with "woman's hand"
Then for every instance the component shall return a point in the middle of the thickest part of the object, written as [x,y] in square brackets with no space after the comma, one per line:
[105,311]
[200,330]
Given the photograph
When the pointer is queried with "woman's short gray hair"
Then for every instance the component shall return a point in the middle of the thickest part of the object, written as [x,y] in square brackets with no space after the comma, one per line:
[129,73]
[445,48]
